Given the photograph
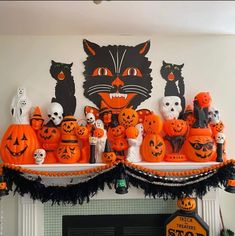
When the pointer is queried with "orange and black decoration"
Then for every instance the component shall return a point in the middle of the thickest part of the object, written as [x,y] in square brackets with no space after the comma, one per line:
[117,76]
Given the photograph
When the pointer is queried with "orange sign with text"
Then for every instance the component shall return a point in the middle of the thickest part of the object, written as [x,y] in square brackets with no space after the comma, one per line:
[186,225]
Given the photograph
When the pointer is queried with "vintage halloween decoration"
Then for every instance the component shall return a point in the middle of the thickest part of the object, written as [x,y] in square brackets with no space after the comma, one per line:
[152,148]
[65,87]
[202,102]
[152,124]
[186,222]
[36,121]
[18,144]
[55,113]
[108,155]
[49,138]
[200,146]
[121,182]
[20,107]
[117,77]
[128,117]
[39,156]
[188,116]
[171,73]
[213,115]
[220,139]
[217,128]
[170,107]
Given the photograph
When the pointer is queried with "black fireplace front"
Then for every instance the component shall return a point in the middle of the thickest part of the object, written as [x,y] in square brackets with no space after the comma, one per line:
[114,225]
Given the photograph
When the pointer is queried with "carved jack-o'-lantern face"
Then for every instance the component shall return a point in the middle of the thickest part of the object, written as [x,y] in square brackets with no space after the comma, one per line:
[152,124]
[204,99]
[118,131]
[175,127]
[98,132]
[119,144]
[153,148]
[18,145]
[200,148]
[49,135]
[217,128]
[69,125]
[108,157]
[82,132]
[128,117]
[187,204]
[68,153]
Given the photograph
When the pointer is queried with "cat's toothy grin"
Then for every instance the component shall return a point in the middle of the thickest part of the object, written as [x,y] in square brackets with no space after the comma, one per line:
[117,95]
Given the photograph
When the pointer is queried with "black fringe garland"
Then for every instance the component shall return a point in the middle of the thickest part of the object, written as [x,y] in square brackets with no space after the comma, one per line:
[153,186]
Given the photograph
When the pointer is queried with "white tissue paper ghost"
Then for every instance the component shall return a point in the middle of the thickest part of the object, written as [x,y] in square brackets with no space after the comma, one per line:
[20,107]
[100,145]
[133,152]
[170,107]
[39,156]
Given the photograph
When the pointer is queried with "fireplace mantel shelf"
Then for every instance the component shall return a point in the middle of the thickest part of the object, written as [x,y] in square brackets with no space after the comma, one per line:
[156,166]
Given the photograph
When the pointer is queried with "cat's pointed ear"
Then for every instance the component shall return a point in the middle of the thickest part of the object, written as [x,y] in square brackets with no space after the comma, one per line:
[164,63]
[181,66]
[71,64]
[143,48]
[90,48]
[52,62]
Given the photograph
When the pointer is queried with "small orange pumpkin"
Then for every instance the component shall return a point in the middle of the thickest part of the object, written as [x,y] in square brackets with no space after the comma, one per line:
[152,148]
[204,99]
[152,124]
[200,148]
[132,132]
[217,128]
[128,117]
[18,144]
[187,204]
[98,132]
[175,127]
[68,153]
[108,157]
[69,125]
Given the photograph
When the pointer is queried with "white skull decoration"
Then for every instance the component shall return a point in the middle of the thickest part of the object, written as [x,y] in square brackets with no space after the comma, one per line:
[99,124]
[55,113]
[170,107]
[39,156]
[90,117]
[213,115]
[220,138]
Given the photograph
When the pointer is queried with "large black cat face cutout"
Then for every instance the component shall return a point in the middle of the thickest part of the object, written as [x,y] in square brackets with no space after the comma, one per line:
[117,76]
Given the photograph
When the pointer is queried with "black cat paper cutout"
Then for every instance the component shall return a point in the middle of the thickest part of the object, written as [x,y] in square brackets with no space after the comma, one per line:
[117,76]
[65,87]
[172,74]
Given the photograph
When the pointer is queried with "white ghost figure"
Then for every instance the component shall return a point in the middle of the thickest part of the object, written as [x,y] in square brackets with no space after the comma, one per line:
[20,107]
[100,145]
[55,113]
[220,138]
[39,156]
[170,107]
[213,115]
[133,152]
[90,117]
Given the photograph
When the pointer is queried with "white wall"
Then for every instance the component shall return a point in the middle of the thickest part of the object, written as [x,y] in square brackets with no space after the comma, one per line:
[209,66]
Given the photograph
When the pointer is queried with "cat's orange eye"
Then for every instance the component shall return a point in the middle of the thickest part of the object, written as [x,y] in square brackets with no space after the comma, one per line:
[102,71]
[132,71]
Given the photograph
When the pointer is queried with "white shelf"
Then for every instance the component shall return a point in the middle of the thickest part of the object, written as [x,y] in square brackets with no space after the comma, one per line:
[156,166]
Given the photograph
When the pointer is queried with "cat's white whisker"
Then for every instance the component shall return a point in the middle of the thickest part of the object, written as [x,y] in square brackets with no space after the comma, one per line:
[121,61]
[136,91]
[98,91]
[99,86]
[115,66]
[131,86]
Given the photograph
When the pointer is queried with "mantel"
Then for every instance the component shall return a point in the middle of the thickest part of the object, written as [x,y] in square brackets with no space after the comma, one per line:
[174,166]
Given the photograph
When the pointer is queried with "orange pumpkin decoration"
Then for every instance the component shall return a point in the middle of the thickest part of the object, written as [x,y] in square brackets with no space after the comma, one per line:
[175,127]
[98,132]
[69,125]
[152,124]
[204,99]
[132,132]
[18,144]
[83,136]
[187,204]
[108,155]
[152,148]
[217,128]
[68,153]
[36,120]
[128,117]
[200,148]
[49,137]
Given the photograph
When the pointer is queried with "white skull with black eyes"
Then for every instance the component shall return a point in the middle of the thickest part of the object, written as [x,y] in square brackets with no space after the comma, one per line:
[55,113]
[90,117]
[99,124]
[213,115]
[170,107]
[220,137]
[39,156]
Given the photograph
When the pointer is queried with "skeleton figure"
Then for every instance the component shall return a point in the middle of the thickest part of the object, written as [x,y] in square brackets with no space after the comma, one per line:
[20,107]
[170,107]
[55,113]
[220,139]
[133,152]
[100,145]
[90,117]
[213,115]
[39,156]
